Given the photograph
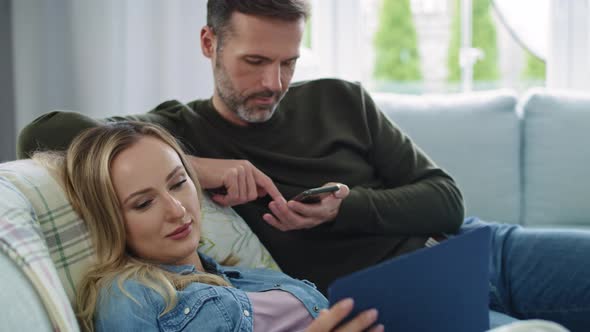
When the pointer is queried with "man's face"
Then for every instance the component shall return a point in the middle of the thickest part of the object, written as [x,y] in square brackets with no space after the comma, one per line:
[253,67]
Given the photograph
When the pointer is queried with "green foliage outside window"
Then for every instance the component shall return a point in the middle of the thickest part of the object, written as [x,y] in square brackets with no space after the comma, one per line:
[535,68]
[395,43]
[483,37]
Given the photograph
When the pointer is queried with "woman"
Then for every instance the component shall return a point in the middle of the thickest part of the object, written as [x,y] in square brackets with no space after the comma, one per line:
[136,191]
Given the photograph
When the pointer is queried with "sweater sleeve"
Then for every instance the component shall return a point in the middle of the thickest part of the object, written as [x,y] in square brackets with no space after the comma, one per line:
[418,198]
[55,130]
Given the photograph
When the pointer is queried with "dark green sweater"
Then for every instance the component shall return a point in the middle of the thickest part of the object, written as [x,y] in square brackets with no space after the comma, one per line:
[324,130]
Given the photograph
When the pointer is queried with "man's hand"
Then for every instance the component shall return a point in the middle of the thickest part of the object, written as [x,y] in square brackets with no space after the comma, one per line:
[297,215]
[330,318]
[243,182]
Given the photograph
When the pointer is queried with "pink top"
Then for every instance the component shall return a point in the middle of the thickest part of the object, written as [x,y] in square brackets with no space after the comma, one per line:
[277,310]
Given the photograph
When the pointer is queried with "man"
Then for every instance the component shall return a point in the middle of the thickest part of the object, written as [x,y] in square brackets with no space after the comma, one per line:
[264,140]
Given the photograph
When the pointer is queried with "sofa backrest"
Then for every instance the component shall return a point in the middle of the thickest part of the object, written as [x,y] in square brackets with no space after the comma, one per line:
[556,158]
[475,137]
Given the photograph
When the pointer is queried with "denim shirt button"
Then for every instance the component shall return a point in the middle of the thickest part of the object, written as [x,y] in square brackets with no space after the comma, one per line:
[246,313]
[187,310]
[277,285]
[316,308]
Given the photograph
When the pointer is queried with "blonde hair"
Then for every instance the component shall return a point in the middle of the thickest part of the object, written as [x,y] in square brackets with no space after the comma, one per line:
[84,171]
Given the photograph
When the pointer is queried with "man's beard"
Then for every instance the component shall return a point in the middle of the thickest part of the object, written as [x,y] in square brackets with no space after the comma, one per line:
[237,103]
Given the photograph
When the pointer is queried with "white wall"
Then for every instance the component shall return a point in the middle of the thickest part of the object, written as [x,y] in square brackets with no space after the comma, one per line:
[107,57]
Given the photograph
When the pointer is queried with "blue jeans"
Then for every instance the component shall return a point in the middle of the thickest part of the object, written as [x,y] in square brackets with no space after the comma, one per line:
[538,273]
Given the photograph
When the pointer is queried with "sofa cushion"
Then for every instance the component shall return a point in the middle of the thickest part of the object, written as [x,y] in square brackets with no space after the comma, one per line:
[67,239]
[475,137]
[556,158]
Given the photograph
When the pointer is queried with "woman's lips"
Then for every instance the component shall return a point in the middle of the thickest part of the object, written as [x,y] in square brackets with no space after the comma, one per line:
[181,232]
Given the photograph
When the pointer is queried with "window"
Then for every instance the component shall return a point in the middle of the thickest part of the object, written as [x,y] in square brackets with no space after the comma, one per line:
[420,46]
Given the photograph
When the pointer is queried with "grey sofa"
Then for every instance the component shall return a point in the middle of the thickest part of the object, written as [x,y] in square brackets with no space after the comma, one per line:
[517,160]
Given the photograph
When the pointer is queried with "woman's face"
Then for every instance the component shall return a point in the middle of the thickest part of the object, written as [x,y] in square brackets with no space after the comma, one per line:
[160,202]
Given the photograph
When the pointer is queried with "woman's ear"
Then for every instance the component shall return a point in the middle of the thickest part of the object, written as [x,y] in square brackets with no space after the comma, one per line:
[208,41]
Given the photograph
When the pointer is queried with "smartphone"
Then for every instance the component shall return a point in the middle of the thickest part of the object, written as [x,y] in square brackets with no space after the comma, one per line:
[217,191]
[315,195]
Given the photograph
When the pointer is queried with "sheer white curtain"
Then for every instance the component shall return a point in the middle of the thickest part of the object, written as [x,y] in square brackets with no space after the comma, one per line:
[106,57]
[568,57]
[557,31]
[338,46]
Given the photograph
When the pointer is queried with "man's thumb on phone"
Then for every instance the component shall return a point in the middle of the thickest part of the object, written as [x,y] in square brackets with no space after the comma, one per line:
[342,192]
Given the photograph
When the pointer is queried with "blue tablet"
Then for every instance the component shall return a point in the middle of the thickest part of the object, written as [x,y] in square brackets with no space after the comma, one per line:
[440,288]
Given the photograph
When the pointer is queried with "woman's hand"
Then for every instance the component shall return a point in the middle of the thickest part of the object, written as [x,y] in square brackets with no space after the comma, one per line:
[330,318]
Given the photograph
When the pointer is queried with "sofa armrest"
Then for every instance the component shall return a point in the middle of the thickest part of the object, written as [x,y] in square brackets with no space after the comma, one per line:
[22,310]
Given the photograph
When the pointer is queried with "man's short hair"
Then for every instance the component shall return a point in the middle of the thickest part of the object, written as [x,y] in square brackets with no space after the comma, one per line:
[219,11]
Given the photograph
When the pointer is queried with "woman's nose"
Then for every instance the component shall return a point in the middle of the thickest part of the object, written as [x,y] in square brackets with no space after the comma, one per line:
[175,208]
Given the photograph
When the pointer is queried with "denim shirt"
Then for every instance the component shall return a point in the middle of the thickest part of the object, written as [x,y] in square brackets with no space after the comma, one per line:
[200,307]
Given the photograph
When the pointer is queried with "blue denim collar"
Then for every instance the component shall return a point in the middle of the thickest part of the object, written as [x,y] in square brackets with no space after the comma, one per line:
[209,264]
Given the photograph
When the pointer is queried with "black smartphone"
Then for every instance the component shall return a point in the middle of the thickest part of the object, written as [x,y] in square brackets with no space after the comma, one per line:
[217,191]
[314,195]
